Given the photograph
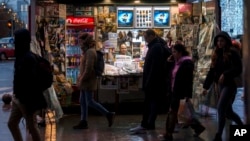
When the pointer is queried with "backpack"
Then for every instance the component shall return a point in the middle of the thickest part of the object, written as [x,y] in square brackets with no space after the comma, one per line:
[44,73]
[100,64]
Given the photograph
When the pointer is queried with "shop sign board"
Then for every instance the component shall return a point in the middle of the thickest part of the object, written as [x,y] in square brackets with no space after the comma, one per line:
[161,17]
[79,20]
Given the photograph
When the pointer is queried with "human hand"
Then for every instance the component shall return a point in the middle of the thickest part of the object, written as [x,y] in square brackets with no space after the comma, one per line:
[221,79]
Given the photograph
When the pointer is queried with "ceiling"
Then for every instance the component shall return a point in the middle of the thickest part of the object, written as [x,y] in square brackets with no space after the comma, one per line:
[114,1]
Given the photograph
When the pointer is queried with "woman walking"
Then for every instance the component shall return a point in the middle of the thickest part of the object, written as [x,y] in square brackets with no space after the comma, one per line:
[181,87]
[87,82]
[225,66]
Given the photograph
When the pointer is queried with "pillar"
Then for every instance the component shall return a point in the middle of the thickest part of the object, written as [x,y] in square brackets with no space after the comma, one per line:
[246,58]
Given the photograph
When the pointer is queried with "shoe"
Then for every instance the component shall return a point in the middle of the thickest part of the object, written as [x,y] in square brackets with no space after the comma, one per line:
[150,127]
[110,117]
[198,130]
[138,130]
[217,137]
[168,137]
[81,125]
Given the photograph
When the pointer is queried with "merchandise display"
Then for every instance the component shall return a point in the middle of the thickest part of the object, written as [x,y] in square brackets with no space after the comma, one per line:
[75,26]
[60,25]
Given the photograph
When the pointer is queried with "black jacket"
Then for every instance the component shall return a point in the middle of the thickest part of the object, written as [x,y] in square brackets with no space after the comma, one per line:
[183,84]
[155,70]
[25,84]
[230,69]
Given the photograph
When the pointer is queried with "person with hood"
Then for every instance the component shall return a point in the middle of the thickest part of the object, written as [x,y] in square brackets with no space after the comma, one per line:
[181,87]
[155,80]
[87,82]
[27,97]
[226,64]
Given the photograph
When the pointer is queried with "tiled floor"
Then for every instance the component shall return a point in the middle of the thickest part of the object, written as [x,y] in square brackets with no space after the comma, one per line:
[99,130]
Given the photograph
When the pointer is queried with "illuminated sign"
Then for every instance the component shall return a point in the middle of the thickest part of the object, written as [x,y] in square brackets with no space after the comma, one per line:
[80,20]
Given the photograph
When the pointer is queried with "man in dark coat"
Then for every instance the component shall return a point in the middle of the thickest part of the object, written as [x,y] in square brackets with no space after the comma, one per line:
[155,80]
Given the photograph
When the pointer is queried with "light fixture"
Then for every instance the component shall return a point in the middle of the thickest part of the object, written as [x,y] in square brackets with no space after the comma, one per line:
[137,1]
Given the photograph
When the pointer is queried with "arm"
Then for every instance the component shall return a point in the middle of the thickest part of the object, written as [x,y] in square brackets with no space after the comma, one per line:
[209,79]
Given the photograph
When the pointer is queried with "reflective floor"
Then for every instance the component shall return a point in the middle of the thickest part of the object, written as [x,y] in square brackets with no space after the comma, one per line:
[99,130]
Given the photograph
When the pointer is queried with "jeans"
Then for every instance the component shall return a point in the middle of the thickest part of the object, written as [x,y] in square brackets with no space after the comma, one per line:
[224,106]
[17,112]
[86,99]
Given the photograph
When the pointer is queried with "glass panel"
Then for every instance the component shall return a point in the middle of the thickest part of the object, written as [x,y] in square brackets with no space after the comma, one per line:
[232,16]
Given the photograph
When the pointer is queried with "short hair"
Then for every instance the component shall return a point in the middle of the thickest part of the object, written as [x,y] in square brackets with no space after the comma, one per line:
[182,49]
[123,44]
[150,32]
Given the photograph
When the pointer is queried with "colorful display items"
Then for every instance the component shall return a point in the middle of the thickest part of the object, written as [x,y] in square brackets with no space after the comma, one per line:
[161,17]
[125,17]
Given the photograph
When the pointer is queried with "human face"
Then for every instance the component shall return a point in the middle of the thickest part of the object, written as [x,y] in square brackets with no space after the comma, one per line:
[177,55]
[221,42]
[123,49]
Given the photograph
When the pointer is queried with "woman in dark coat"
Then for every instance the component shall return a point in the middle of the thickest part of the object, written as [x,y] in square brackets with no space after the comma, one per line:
[225,66]
[181,87]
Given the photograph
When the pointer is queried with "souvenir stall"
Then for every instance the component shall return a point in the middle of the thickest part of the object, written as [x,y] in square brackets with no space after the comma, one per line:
[59,26]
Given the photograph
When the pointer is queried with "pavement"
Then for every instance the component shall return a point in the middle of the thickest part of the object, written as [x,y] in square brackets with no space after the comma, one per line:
[99,130]
[98,126]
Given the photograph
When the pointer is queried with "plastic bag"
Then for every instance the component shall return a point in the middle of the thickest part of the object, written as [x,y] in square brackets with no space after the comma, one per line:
[53,103]
[183,112]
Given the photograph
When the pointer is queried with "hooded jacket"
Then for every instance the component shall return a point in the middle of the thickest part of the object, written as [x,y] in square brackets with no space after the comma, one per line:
[230,69]
[25,84]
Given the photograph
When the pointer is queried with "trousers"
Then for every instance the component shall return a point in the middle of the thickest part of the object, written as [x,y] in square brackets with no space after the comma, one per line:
[18,112]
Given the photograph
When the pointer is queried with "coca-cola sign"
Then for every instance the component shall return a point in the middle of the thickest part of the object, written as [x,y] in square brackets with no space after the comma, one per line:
[80,20]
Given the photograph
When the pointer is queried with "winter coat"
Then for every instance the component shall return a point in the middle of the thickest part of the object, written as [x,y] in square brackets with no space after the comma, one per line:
[230,69]
[183,82]
[155,70]
[87,79]
[25,83]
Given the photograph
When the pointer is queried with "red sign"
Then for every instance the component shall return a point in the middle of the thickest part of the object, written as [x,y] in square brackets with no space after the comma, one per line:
[80,20]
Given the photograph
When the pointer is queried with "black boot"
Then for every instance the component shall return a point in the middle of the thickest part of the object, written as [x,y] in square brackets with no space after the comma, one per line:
[110,117]
[170,125]
[197,127]
[81,125]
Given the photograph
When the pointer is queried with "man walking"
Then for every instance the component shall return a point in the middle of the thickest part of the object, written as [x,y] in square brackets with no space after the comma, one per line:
[155,81]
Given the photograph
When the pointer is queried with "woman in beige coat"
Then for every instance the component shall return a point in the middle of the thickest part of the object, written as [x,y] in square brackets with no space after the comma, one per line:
[87,82]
